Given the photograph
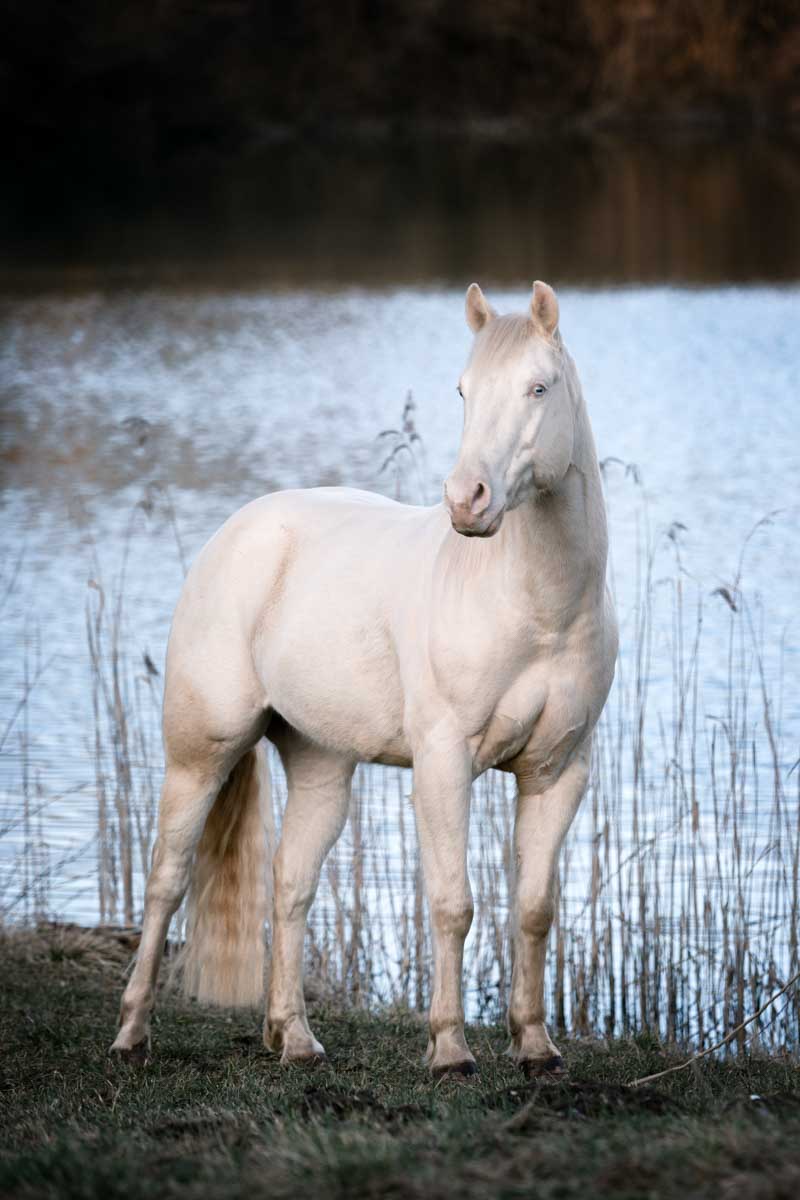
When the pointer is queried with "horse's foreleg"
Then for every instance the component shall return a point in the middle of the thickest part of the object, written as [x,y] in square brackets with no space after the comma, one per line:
[542,821]
[442,783]
[316,810]
[186,799]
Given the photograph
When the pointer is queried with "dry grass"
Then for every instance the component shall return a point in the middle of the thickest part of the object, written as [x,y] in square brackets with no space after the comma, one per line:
[213,1114]
[679,889]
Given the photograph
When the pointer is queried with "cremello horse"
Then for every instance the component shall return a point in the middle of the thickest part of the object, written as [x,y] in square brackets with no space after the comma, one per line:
[349,628]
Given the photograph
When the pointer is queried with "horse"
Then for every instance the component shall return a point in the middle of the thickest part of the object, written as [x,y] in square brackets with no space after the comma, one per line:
[346,627]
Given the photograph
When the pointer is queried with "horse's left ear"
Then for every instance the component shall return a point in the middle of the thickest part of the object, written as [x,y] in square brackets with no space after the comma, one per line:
[544,309]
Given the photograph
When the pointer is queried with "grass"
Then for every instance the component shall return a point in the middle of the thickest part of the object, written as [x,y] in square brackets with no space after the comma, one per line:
[214,1114]
[679,885]
[679,890]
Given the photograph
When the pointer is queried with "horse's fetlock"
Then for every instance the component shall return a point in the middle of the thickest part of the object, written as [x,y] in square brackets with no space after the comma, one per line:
[135,1000]
[445,1025]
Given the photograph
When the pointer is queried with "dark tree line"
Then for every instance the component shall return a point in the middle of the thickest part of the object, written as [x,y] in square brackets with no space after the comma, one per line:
[151,78]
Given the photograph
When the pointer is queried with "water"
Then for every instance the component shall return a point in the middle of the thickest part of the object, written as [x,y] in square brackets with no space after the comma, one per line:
[147,395]
[571,210]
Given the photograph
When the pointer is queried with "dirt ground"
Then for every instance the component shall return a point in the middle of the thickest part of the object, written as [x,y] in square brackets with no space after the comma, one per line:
[213,1114]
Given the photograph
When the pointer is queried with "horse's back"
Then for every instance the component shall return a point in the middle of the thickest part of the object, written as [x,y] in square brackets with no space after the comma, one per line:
[249,557]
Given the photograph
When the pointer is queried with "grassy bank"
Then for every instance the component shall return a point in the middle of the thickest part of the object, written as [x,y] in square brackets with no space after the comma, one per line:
[679,886]
[214,1114]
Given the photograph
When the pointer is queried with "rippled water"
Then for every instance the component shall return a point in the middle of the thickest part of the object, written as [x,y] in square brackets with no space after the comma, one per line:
[153,381]
[201,401]
[577,210]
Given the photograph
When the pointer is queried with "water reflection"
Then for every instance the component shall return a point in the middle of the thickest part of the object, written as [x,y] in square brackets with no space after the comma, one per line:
[572,211]
[161,368]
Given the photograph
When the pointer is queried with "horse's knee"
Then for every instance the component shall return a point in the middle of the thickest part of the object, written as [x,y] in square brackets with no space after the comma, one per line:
[535,912]
[452,914]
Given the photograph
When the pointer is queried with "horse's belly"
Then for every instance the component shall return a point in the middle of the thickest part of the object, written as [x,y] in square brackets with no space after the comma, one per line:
[337,684]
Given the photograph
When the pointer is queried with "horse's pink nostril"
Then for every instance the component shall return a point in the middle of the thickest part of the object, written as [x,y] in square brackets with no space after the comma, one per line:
[481,498]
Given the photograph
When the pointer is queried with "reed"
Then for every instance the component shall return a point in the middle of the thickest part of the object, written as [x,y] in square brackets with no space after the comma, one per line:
[678,908]
[679,890]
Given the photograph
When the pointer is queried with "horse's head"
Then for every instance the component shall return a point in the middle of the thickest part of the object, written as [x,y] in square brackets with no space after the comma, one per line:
[518,413]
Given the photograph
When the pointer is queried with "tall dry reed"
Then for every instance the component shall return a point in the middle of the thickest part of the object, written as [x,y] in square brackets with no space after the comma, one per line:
[679,887]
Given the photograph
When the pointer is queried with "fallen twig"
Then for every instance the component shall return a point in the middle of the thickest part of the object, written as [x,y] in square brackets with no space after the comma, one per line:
[718,1046]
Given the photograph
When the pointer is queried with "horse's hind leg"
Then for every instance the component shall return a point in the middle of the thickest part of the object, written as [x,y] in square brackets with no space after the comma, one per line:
[186,799]
[316,810]
[202,747]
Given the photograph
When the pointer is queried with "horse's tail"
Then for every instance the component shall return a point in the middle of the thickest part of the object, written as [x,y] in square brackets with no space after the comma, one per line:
[230,891]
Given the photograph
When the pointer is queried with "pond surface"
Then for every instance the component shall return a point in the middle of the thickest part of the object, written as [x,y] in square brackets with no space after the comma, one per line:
[198,402]
[572,210]
[152,384]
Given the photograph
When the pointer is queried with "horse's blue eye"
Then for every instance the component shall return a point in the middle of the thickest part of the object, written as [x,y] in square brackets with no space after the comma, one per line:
[539,390]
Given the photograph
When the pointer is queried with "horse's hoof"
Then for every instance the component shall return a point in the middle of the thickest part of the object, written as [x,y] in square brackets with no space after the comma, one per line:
[314,1059]
[136,1056]
[459,1070]
[544,1068]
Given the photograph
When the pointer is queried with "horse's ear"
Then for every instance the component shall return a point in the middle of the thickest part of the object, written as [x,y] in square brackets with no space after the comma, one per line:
[544,309]
[479,310]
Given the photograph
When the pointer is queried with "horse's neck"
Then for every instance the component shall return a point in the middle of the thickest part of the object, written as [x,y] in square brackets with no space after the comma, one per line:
[555,545]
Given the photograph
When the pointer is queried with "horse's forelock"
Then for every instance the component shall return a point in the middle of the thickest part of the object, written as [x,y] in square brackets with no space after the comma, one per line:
[504,336]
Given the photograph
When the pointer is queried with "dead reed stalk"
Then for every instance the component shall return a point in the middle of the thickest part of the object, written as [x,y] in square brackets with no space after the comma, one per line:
[679,888]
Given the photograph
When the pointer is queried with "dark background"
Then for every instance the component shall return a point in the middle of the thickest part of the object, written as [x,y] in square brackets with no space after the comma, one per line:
[623,140]
[142,82]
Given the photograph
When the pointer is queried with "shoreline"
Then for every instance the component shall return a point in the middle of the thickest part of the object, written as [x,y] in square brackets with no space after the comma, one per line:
[213,1114]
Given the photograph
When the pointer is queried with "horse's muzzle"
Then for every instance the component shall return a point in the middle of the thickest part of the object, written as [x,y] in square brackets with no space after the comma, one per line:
[471,504]
[484,526]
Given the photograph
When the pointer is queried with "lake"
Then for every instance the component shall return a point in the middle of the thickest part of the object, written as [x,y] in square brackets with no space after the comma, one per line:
[155,377]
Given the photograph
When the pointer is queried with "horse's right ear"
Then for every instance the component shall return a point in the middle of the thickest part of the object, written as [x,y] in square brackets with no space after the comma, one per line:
[479,310]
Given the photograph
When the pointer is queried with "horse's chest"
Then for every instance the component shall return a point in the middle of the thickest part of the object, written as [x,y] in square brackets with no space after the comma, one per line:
[534,728]
[527,696]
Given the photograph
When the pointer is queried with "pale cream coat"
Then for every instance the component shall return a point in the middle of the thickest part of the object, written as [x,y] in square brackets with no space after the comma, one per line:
[348,628]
